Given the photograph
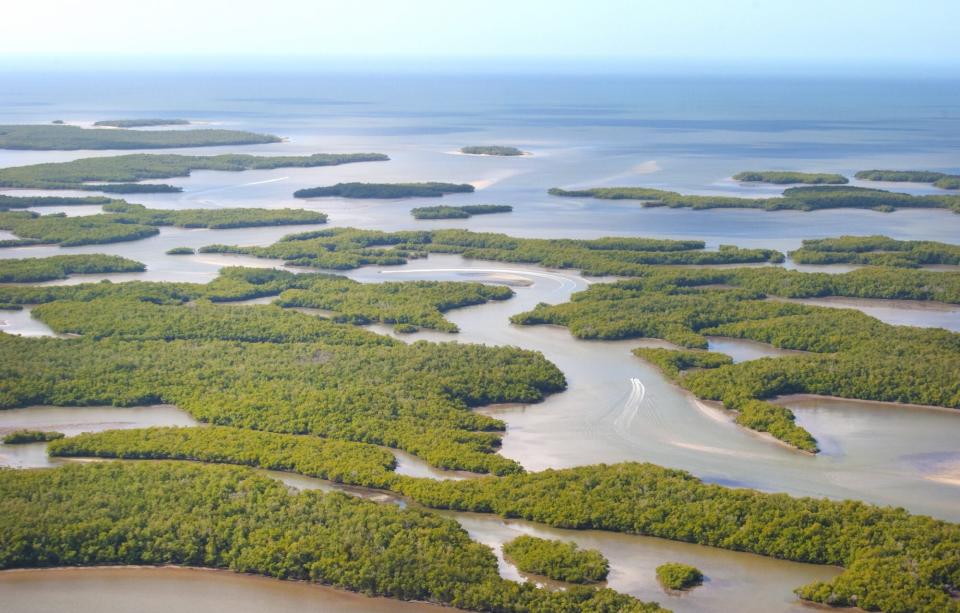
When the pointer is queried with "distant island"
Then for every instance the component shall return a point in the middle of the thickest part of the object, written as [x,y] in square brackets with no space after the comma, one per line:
[140,123]
[72,138]
[119,173]
[938,179]
[807,198]
[782,177]
[491,150]
[458,212]
[385,190]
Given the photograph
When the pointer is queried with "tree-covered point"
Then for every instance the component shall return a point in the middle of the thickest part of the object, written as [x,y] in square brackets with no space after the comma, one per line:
[30,270]
[893,561]
[794,198]
[677,576]
[407,304]
[22,437]
[431,189]
[875,251]
[70,138]
[559,560]
[938,179]
[459,212]
[851,355]
[23,202]
[127,169]
[345,248]
[275,369]
[337,461]
[180,251]
[140,123]
[781,177]
[491,150]
[122,221]
[231,518]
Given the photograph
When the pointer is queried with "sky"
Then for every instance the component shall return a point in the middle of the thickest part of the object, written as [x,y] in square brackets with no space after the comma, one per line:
[625,33]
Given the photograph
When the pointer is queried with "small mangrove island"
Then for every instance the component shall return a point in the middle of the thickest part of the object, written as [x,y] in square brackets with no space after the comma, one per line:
[782,177]
[558,560]
[491,150]
[430,189]
[459,212]
[676,576]
[938,179]
[71,138]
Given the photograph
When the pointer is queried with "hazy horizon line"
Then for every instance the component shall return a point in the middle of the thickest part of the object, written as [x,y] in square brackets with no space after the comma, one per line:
[506,64]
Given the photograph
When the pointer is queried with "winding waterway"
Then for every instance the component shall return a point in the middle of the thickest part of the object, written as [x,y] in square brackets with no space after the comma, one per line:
[582,132]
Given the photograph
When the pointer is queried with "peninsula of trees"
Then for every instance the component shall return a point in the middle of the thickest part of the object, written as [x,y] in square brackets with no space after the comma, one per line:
[122,221]
[346,248]
[32,270]
[140,123]
[23,202]
[938,179]
[385,190]
[491,150]
[875,251]
[107,172]
[71,138]
[22,437]
[805,198]
[458,212]
[849,354]
[781,177]
[557,560]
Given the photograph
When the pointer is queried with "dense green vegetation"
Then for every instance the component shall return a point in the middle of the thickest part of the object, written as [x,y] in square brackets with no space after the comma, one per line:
[557,559]
[345,248]
[781,177]
[409,304]
[431,189]
[230,518]
[23,202]
[939,179]
[875,251]
[491,150]
[127,169]
[21,437]
[29,270]
[140,123]
[677,576]
[69,138]
[458,212]
[274,369]
[122,221]
[794,198]
[233,283]
[180,251]
[893,561]
[851,354]
[338,461]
